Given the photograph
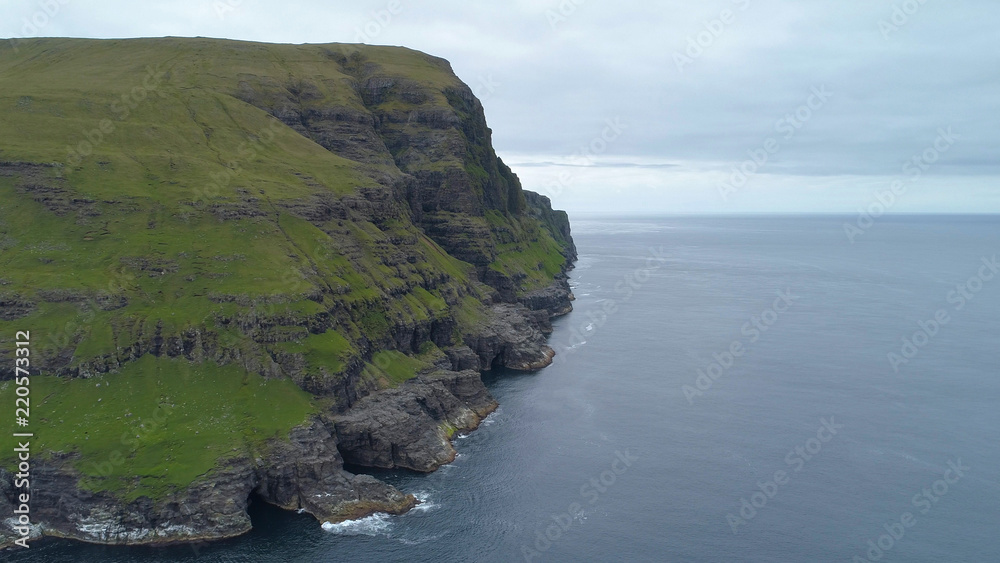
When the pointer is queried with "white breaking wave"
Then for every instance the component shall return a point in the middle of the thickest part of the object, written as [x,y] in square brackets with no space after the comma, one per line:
[373,525]
[426,504]
[490,418]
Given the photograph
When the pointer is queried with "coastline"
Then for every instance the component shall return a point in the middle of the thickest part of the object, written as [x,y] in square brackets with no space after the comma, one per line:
[408,427]
[368,257]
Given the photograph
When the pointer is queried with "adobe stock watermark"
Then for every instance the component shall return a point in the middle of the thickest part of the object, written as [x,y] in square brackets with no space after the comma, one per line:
[901,14]
[597,146]
[924,501]
[37,21]
[246,152]
[796,460]
[224,7]
[486,87]
[130,440]
[590,492]
[596,317]
[788,126]
[563,11]
[116,458]
[110,297]
[379,20]
[586,155]
[959,298]
[714,28]
[121,108]
[915,167]
[723,361]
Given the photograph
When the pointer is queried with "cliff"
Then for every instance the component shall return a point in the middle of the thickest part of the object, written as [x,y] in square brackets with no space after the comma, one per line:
[244,264]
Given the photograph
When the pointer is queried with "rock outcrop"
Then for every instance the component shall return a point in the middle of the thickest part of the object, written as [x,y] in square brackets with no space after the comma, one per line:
[512,338]
[411,426]
[303,473]
[330,217]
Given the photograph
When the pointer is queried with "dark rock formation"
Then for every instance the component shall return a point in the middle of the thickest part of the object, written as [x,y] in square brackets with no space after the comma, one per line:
[411,426]
[555,299]
[556,220]
[512,338]
[405,234]
[303,473]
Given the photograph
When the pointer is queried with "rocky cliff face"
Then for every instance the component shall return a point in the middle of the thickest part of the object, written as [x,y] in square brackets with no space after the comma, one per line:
[304,472]
[319,238]
[411,427]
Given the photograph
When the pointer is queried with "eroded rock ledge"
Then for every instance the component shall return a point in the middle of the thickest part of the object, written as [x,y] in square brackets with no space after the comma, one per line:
[303,472]
[407,427]
[411,427]
[421,183]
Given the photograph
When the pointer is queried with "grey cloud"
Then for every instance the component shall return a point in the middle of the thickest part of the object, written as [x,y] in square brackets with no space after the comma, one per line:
[554,87]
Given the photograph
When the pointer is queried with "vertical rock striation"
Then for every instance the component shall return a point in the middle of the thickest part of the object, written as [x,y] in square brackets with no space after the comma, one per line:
[333,217]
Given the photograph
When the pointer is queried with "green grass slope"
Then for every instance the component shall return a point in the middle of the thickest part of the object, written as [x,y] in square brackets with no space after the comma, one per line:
[218,234]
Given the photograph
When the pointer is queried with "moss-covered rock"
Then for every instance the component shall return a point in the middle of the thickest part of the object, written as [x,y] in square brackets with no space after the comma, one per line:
[238,238]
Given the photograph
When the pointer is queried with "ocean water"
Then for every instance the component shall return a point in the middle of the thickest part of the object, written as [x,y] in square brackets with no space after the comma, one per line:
[724,391]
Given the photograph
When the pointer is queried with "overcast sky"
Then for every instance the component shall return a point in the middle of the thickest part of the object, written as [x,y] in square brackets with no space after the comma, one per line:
[653,106]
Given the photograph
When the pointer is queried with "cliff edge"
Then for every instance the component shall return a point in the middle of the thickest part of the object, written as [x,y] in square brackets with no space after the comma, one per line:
[243,265]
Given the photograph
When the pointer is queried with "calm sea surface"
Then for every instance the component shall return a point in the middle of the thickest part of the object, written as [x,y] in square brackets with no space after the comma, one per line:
[723,392]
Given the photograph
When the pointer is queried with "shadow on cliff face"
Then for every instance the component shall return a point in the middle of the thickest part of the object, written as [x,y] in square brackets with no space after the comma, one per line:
[498,372]
[272,521]
[390,476]
[497,364]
